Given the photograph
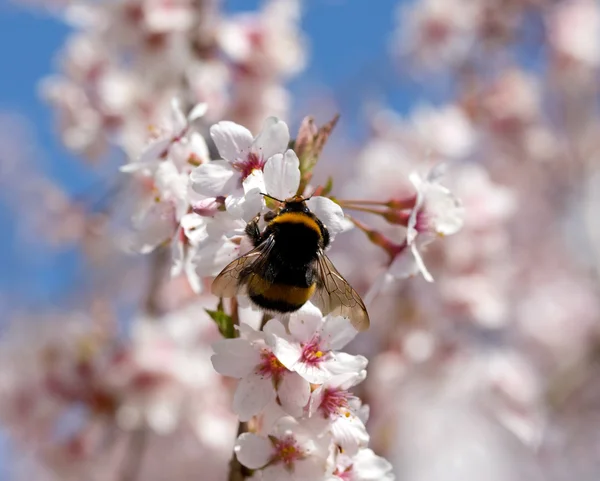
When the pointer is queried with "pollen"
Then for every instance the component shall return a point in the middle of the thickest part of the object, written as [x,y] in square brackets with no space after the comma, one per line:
[287,451]
[335,403]
[248,165]
[311,353]
[270,366]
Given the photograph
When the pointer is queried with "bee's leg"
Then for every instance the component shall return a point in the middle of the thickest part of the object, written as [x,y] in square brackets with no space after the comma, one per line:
[252,231]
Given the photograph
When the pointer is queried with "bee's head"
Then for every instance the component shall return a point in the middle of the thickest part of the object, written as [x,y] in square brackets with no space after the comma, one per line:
[296,203]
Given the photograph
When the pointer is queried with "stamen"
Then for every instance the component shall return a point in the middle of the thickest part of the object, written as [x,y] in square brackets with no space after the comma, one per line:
[287,451]
[270,366]
[311,353]
[251,163]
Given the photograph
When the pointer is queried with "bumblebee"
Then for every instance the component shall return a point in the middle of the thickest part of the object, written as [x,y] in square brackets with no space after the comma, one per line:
[288,267]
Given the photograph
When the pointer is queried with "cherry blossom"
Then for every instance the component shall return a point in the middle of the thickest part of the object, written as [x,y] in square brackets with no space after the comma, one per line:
[338,410]
[244,159]
[263,378]
[291,452]
[310,347]
[364,466]
[437,213]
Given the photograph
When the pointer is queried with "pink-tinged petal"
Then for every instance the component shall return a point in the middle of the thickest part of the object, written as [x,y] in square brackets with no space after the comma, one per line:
[178,120]
[294,393]
[336,333]
[273,139]
[245,207]
[330,214]
[305,322]
[253,451]
[274,327]
[286,351]
[347,380]
[277,472]
[198,147]
[282,175]
[177,254]
[234,357]
[254,186]
[192,277]
[349,433]
[310,468]
[149,157]
[253,393]
[198,111]
[272,414]
[362,412]
[341,363]
[232,140]
[215,178]
[444,211]
[402,267]
[316,398]
[420,264]
[313,373]
[367,466]
[213,255]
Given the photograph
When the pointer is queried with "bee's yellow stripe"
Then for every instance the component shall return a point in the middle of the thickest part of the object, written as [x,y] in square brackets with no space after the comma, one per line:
[297,218]
[279,292]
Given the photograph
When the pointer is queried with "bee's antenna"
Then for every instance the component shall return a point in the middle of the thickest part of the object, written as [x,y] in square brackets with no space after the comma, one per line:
[271,197]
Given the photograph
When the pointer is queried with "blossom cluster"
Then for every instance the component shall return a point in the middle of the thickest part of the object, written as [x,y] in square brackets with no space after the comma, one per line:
[294,385]
[127,59]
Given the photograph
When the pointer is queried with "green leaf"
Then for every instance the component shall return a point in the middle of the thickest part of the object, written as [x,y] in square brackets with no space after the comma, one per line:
[328,187]
[223,321]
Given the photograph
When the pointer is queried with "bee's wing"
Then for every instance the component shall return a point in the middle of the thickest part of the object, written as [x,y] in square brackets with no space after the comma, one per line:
[232,277]
[335,296]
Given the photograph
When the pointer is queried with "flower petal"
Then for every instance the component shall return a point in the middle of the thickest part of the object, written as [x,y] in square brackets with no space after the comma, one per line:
[253,393]
[197,146]
[178,120]
[330,214]
[273,139]
[232,140]
[274,327]
[349,433]
[234,357]
[341,362]
[367,466]
[336,333]
[212,256]
[253,451]
[305,322]
[294,393]
[278,472]
[420,264]
[313,373]
[198,111]
[282,175]
[286,351]
[215,178]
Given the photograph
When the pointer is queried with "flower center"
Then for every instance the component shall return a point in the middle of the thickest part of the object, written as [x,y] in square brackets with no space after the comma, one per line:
[270,365]
[287,451]
[334,403]
[312,353]
[250,164]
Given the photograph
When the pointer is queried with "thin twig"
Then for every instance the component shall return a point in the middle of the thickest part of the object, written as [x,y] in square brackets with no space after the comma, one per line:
[159,264]
[134,455]
[237,472]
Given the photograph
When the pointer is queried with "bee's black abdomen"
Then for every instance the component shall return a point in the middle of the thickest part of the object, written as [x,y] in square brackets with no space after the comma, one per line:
[276,305]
